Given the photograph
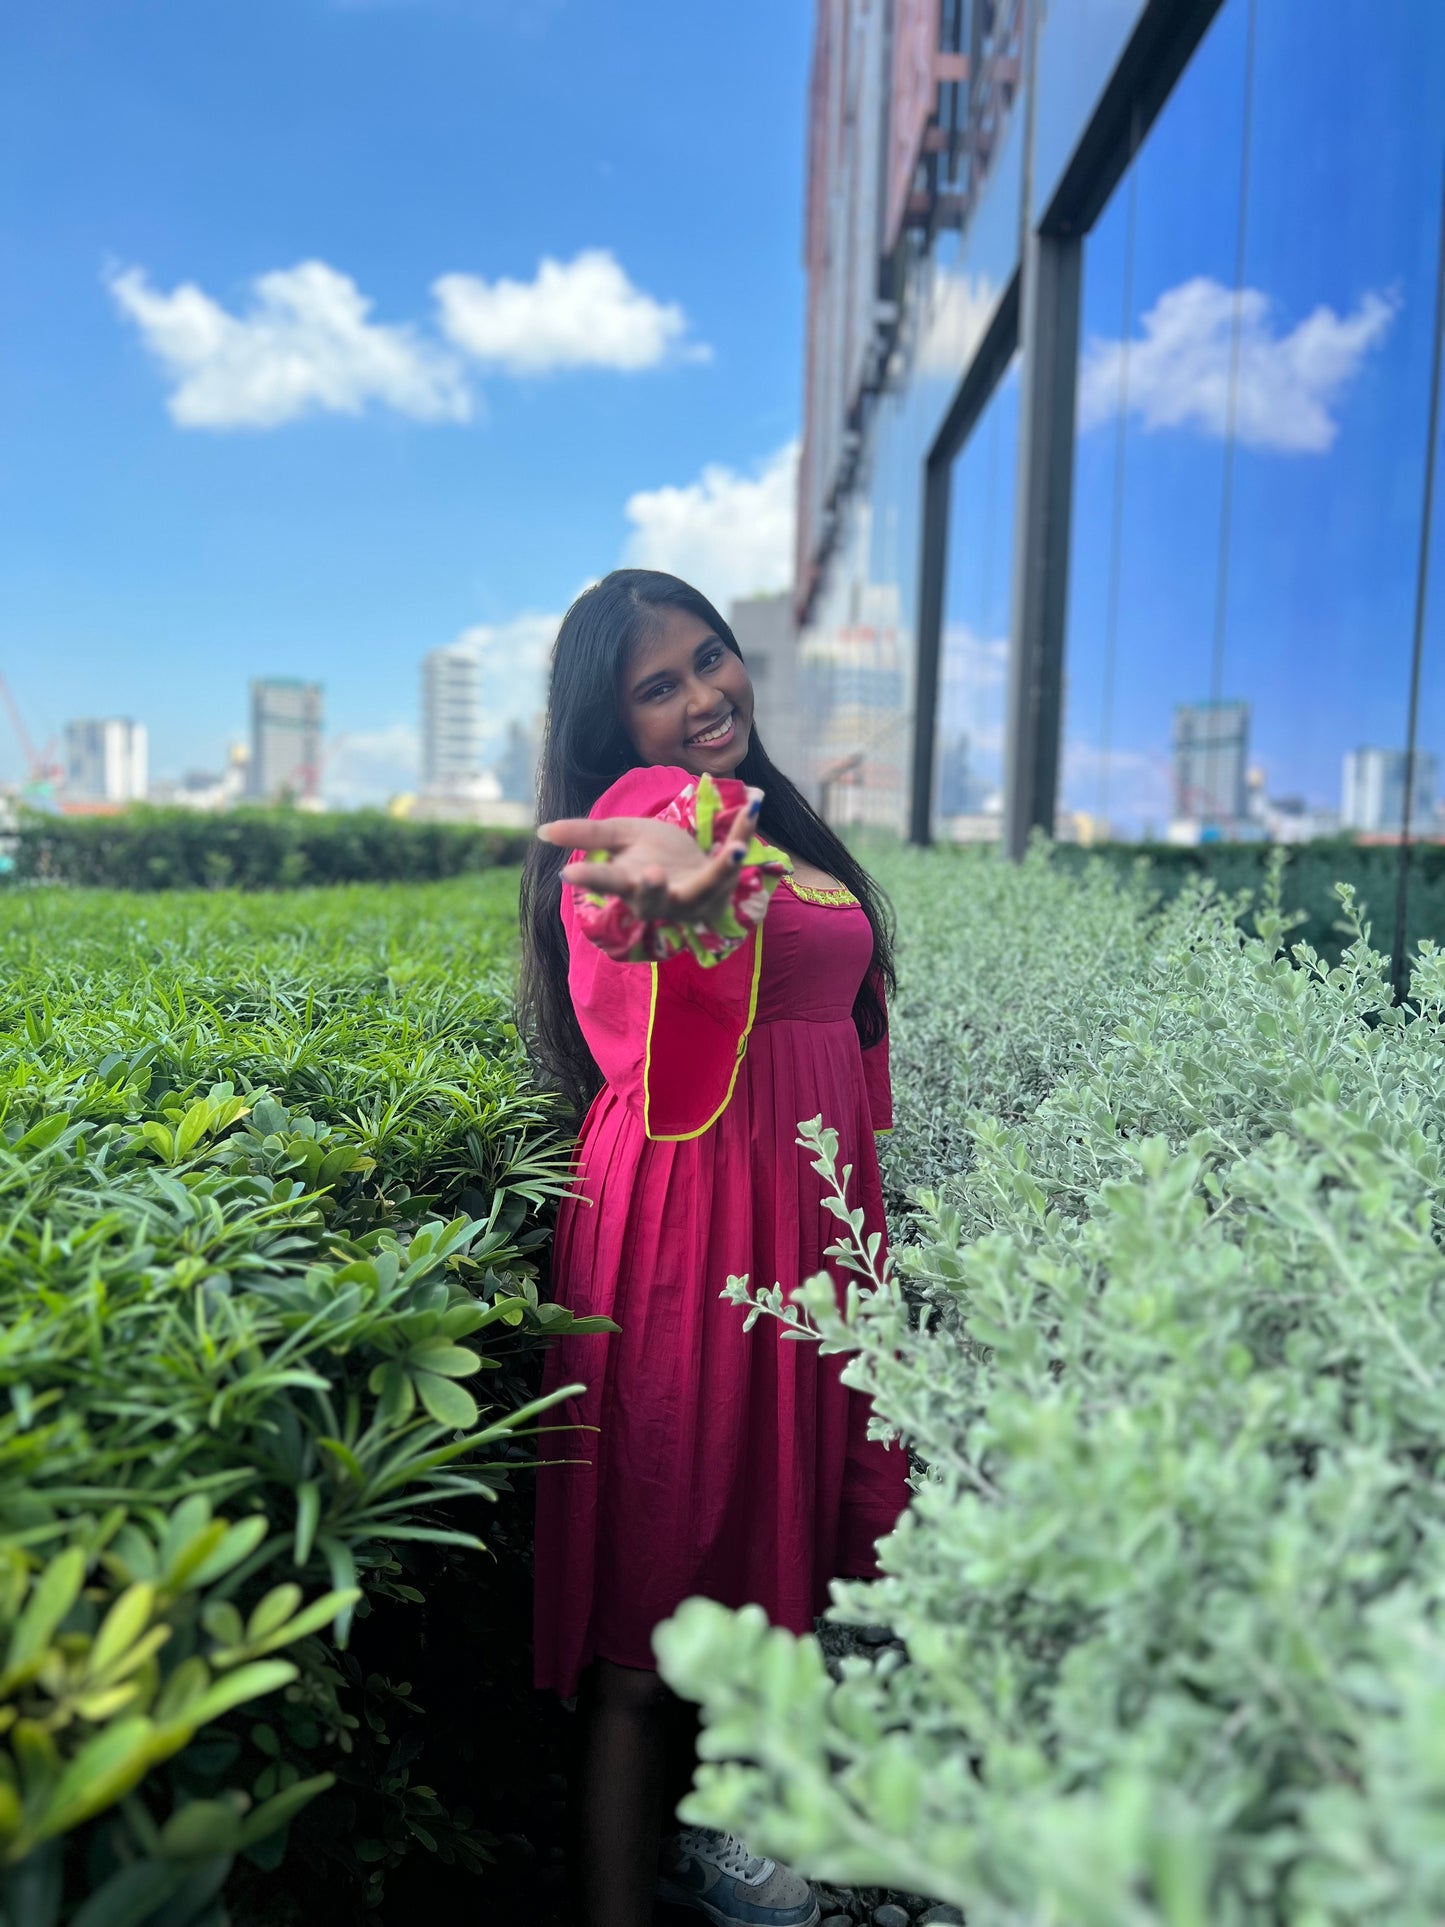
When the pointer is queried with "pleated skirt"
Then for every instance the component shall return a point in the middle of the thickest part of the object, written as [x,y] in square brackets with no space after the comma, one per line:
[716,1461]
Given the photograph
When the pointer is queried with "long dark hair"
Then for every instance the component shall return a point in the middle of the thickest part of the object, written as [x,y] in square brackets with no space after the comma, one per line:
[585,749]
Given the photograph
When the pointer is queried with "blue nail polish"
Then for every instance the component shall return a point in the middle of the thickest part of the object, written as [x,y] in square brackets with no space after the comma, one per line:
[738,855]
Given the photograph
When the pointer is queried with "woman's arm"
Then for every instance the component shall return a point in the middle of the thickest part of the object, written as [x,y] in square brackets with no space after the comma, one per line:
[877,1079]
[667,1039]
[689,875]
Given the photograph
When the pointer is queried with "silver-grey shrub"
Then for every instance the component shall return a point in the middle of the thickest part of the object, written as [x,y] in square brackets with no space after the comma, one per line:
[1170,1589]
[1002,972]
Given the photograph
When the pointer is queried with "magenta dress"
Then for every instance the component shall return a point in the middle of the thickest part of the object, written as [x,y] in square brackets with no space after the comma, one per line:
[726,1463]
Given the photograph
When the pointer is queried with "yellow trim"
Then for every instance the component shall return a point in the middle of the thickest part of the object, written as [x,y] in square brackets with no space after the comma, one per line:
[681,1137]
[840,897]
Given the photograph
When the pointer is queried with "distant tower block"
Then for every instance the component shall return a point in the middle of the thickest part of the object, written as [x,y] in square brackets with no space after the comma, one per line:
[451,721]
[1373,790]
[766,631]
[1211,760]
[286,717]
[105,760]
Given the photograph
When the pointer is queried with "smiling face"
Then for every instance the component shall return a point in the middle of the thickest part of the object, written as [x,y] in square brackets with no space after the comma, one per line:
[686,698]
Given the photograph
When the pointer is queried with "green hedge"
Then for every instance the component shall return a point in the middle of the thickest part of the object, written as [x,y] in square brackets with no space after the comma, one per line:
[1167,1334]
[1311,871]
[272,1191]
[252,849]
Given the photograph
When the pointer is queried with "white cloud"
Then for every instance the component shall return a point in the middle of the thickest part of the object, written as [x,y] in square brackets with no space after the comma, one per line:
[972,660]
[730,534]
[583,313]
[960,307]
[727,534]
[1288,384]
[306,345]
[973,687]
[370,765]
[1138,792]
[514,656]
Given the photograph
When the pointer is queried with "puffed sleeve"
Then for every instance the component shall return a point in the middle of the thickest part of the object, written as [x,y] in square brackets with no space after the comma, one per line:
[710,811]
[667,1032]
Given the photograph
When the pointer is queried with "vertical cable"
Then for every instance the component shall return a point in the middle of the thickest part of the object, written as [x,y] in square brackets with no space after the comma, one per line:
[1226,506]
[1121,441]
[990,507]
[1422,588]
[990,535]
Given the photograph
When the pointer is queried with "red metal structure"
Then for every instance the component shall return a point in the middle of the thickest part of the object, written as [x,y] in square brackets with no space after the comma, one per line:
[313,774]
[39,769]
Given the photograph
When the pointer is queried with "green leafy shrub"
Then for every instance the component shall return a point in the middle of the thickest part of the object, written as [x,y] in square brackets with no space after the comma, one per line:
[271,1189]
[252,848]
[93,1703]
[1170,1589]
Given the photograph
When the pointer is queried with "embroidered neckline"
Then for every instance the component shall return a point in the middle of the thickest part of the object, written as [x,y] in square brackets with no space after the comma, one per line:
[840,897]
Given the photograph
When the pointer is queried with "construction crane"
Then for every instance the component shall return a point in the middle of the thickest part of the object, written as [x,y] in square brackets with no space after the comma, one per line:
[312,775]
[41,771]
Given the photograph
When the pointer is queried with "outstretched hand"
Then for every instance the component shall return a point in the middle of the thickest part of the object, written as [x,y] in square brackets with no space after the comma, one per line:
[656,868]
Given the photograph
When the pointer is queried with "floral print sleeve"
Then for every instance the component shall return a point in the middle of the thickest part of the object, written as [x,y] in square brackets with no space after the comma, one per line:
[708,810]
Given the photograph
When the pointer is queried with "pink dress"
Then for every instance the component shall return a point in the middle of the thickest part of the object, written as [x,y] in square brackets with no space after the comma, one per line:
[727,1463]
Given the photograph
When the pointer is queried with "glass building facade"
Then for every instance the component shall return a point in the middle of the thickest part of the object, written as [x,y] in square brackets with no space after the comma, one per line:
[1125,530]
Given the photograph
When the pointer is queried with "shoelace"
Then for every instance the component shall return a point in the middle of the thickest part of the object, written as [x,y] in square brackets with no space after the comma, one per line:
[723,1850]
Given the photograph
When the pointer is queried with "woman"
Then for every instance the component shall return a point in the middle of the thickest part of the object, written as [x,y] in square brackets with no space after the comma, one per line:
[708,969]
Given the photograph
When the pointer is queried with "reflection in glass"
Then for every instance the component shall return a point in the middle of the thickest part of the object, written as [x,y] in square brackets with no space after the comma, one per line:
[973,672]
[1079,46]
[1420,909]
[858,645]
[1257,312]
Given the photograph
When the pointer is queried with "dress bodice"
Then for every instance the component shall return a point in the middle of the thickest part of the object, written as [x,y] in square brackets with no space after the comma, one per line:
[816,951]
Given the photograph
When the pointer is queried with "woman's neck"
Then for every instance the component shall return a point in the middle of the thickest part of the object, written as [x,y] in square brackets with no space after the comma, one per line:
[812,878]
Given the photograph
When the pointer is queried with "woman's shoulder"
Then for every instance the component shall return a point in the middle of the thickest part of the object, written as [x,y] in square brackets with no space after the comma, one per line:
[643,791]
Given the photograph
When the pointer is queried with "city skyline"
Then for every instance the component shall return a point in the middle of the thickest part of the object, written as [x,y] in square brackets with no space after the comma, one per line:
[463,733]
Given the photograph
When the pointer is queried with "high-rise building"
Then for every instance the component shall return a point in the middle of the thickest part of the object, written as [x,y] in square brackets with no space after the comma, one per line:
[286,718]
[767,633]
[1373,791]
[1211,759]
[451,721]
[105,760]
[957,785]
[516,767]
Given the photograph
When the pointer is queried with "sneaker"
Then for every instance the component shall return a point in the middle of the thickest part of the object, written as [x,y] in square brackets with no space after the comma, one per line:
[715,1873]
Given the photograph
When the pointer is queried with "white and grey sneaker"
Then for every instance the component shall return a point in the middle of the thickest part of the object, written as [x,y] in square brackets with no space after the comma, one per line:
[715,1873]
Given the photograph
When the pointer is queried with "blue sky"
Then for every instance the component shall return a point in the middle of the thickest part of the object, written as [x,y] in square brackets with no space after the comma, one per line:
[181,516]
[337,331]
[1341,238]
[1342,231]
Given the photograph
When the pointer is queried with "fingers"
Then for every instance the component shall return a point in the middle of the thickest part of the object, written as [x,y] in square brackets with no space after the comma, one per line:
[712,879]
[652,900]
[617,832]
[604,877]
[648,893]
[655,868]
[591,833]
